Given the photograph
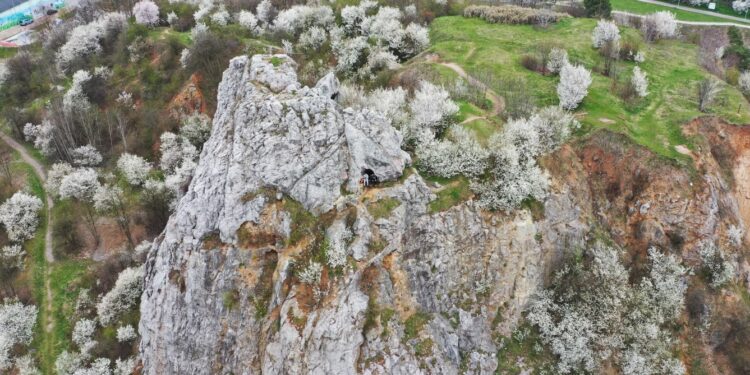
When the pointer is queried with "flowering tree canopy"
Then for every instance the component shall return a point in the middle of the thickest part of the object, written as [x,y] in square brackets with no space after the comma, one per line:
[20,216]
[146,12]
[574,86]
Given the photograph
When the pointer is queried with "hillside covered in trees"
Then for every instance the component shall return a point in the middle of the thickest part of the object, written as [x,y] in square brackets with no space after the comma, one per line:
[376,187]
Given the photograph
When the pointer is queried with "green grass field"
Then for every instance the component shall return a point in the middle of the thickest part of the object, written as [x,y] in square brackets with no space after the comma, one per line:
[66,278]
[654,122]
[637,7]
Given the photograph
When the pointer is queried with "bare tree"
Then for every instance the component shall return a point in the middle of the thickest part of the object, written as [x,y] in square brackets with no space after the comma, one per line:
[712,43]
[6,158]
[708,89]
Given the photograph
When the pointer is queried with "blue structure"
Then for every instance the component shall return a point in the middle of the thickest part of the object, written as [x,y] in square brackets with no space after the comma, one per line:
[13,11]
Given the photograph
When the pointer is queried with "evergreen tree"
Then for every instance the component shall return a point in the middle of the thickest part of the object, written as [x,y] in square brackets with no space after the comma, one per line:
[597,8]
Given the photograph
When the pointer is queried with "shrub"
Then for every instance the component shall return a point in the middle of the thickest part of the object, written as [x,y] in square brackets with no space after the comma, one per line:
[558,58]
[732,76]
[532,62]
[630,50]
[511,14]
[311,273]
[719,270]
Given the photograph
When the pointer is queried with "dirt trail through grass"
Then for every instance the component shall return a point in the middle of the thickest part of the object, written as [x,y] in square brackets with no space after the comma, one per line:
[49,255]
[498,104]
[41,172]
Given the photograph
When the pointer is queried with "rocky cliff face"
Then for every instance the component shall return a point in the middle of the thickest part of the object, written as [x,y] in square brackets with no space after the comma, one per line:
[420,291]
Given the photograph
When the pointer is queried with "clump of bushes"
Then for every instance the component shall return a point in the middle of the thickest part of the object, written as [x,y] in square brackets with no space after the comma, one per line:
[514,15]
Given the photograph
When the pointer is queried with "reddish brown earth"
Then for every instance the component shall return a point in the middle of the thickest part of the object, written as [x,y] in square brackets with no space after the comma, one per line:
[189,100]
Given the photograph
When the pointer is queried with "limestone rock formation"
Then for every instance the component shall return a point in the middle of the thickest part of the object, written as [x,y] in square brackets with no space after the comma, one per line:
[404,288]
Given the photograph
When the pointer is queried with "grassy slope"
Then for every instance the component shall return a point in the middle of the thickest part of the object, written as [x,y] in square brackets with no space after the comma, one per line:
[654,122]
[635,6]
[65,281]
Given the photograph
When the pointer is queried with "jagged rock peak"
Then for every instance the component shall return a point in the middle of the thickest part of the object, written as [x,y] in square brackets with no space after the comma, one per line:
[297,139]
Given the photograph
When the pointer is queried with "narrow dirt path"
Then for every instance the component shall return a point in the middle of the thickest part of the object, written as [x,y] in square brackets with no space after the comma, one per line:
[498,104]
[472,119]
[42,174]
[49,255]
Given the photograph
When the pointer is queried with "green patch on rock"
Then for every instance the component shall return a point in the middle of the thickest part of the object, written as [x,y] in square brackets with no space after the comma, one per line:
[414,325]
[383,207]
[453,193]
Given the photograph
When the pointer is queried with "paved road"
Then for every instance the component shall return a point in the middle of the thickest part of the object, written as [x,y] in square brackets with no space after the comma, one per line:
[42,173]
[696,23]
[695,10]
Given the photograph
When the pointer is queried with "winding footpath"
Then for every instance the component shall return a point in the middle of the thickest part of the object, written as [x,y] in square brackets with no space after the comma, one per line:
[42,174]
[498,104]
[49,255]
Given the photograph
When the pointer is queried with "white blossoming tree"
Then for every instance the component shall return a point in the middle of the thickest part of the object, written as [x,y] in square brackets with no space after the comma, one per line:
[593,315]
[458,153]
[639,82]
[86,156]
[16,328]
[248,20]
[20,216]
[265,11]
[125,366]
[196,128]
[123,296]
[313,38]
[42,136]
[431,110]
[134,168]
[81,184]
[605,32]
[83,335]
[126,333]
[84,40]
[298,18]
[221,16]
[659,25]
[146,12]
[741,6]
[574,85]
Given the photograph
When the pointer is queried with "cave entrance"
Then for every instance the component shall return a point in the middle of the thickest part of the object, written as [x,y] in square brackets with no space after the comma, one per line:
[369,178]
